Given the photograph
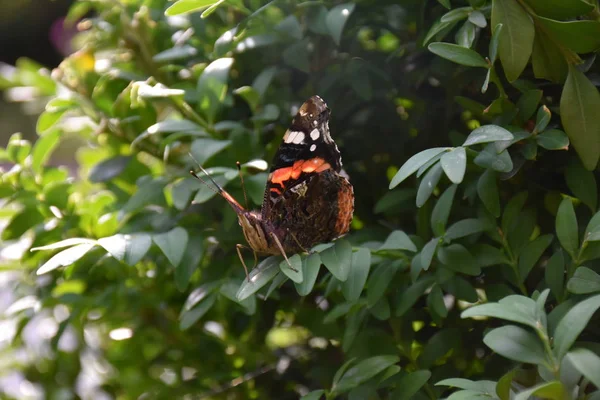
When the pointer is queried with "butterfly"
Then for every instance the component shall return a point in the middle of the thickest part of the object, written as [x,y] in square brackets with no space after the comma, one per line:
[308,199]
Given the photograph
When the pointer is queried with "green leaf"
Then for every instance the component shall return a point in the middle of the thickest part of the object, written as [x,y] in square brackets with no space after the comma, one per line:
[175,53]
[212,86]
[310,271]
[487,255]
[65,243]
[65,258]
[410,296]
[504,384]
[338,258]
[186,268]
[454,164]
[435,301]
[439,29]
[43,148]
[129,248]
[338,311]
[187,6]
[488,192]
[359,271]
[438,346]
[511,308]
[553,139]
[579,105]
[189,317]
[378,283]
[461,289]
[588,363]
[464,228]
[485,387]
[457,258]
[583,185]
[458,54]
[172,244]
[336,19]
[512,211]
[259,277]
[528,103]
[531,254]
[542,119]
[566,227]
[516,38]
[362,372]
[414,163]
[555,274]
[552,390]
[182,126]
[465,36]
[516,344]
[428,184]
[560,9]
[456,14]
[109,169]
[148,192]
[204,148]
[296,262]
[547,58]
[297,56]
[477,18]
[579,36]
[428,252]
[494,43]
[573,323]
[408,385]
[490,158]
[398,240]
[584,281]
[486,134]
[314,395]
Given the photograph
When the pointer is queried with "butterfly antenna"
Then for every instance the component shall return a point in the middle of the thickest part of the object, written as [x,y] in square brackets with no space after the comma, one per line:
[239,167]
[218,190]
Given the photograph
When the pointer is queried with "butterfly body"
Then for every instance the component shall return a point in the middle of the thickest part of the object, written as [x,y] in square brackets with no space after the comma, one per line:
[308,199]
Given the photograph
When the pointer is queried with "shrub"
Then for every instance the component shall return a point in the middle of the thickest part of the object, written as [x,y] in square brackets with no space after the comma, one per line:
[122,272]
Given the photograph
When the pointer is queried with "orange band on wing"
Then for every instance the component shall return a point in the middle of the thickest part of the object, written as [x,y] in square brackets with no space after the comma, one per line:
[313,165]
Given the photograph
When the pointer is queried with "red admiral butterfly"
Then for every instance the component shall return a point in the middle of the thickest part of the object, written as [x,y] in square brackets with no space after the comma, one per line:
[308,200]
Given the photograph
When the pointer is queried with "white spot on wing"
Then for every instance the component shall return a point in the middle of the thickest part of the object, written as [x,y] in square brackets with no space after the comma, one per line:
[295,137]
[314,135]
[313,147]
[315,122]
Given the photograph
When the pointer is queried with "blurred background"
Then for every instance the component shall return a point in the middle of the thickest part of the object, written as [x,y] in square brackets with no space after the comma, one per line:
[32,29]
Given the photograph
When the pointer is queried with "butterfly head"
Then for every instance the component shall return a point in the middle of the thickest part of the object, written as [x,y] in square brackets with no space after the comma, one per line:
[313,114]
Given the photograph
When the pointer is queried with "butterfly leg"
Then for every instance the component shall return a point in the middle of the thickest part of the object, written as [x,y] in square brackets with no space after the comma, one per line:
[239,248]
[297,242]
[278,243]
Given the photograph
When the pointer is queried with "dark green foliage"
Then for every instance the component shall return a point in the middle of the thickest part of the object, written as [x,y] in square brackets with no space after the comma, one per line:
[472,267]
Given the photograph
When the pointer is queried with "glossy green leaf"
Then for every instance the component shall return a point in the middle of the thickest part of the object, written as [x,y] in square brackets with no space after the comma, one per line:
[579,105]
[484,387]
[553,139]
[310,271]
[410,296]
[547,58]
[65,258]
[560,9]
[296,262]
[359,271]
[378,283]
[528,102]
[583,185]
[172,244]
[259,277]
[428,252]
[486,134]
[428,184]
[314,395]
[338,258]
[414,163]
[464,228]
[362,372]
[454,164]
[503,388]
[579,36]
[487,190]
[477,18]
[555,273]
[109,169]
[511,308]
[398,240]
[187,6]
[588,363]
[191,316]
[490,158]
[532,253]
[516,38]
[516,344]
[457,258]
[552,390]
[204,148]
[458,54]
[494,41]
[566,227]
[212,86]
[573,323]
[584,281]
[456,14]
[409,384]
[435,301]
[336,20]
[43,148]
[441,211]
[465,36]
[462,289]
[175,53]
[542,119]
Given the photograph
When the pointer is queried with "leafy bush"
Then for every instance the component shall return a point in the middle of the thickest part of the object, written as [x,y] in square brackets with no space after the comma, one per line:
[122,272]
